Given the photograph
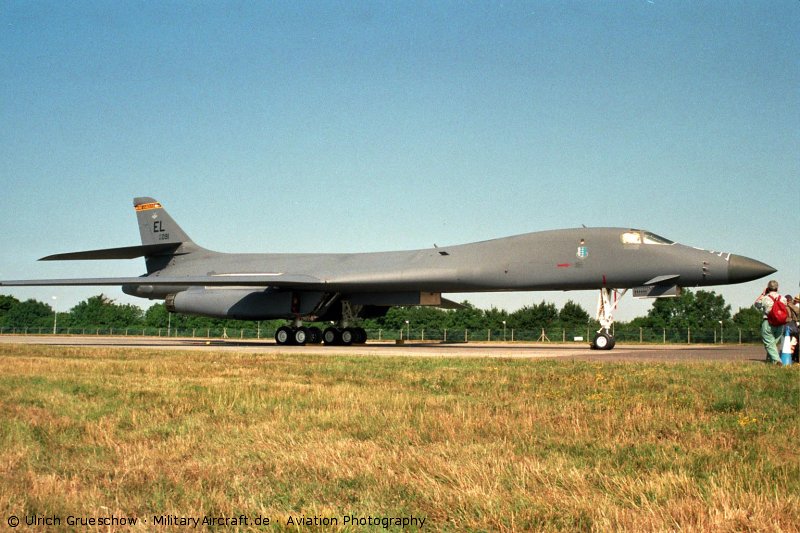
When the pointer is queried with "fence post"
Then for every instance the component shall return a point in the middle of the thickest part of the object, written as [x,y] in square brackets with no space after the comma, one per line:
[640,335]
[422,338]
[688,335]
[512,334]
[465,336]
[740,335]
[445,335]
[665,335]
[488,335]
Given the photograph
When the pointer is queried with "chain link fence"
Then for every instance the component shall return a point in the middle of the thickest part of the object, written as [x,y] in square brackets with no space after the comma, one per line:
[624,334]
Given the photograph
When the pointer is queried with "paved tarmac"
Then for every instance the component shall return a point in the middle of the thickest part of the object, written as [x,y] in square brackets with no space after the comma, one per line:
[571,351]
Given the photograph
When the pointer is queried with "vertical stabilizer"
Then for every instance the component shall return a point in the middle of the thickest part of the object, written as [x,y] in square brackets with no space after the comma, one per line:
[157,227]
[155,224]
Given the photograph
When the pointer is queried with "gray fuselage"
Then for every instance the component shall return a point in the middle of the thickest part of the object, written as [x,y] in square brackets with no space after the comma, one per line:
[567,259]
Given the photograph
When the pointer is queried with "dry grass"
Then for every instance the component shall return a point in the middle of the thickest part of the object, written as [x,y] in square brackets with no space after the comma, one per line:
[468,444]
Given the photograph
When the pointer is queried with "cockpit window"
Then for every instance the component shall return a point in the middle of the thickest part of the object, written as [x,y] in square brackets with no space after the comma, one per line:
[638,237]
[652,238]
[632,237]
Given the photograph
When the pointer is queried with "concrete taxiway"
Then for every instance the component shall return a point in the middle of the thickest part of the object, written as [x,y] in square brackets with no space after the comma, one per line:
[572,351]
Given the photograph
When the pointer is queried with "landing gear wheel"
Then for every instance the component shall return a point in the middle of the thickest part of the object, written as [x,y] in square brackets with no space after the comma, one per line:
[300,336]
[331,336]
[314,335]
[348,336]
[360,336]
[284,335]
[603,341]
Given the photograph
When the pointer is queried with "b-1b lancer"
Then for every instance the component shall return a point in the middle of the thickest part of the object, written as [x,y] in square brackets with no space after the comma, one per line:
[343,287]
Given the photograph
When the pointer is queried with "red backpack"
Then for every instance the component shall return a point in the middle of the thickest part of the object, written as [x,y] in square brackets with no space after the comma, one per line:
[778,314]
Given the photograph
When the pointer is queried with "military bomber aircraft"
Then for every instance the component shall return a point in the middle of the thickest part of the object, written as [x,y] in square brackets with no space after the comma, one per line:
[343,287]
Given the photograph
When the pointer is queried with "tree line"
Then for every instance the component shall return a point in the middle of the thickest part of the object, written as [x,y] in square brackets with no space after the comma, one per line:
[701,310]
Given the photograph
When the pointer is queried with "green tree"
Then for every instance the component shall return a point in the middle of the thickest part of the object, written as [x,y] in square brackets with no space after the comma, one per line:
[6,303]
[572,314]
[103,312]
[748,318]
[537,316]
[494,317]
[466,317]
[156,316]
[29,314]
[702,310]
[418,317]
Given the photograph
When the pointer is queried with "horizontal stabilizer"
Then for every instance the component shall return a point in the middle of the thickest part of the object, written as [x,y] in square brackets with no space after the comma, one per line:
[127,252]
[668,279]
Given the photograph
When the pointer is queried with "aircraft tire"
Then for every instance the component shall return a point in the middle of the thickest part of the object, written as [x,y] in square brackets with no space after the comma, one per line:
[360,336]
[603,341]
[331,336]
[348,336]
[314,335]
[284,335]
[300,336]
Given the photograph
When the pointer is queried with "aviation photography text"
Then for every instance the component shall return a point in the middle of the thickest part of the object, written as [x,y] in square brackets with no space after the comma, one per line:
[194,522]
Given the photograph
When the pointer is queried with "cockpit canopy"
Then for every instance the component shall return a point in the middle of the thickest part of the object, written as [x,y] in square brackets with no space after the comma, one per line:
[636,236]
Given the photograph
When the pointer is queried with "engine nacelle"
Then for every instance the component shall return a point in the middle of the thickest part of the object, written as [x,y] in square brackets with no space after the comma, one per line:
[151,292]
[243,304]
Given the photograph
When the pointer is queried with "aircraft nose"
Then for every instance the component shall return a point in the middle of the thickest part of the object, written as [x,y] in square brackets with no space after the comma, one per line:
[741,269]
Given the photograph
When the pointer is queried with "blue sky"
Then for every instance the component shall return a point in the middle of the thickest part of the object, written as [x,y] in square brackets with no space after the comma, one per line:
[367,126]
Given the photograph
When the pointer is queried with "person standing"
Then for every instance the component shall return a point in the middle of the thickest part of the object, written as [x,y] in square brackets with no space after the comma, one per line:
[770,334]
[793,306]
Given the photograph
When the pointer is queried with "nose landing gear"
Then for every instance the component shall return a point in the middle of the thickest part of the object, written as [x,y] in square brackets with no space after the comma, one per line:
[603,339]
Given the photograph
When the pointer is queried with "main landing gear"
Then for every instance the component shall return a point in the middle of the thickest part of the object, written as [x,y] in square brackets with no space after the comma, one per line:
[343,335]
[332,336]
[603,339]
[298,336]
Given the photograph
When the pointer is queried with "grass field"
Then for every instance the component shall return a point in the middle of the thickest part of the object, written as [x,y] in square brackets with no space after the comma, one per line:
[466,444]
